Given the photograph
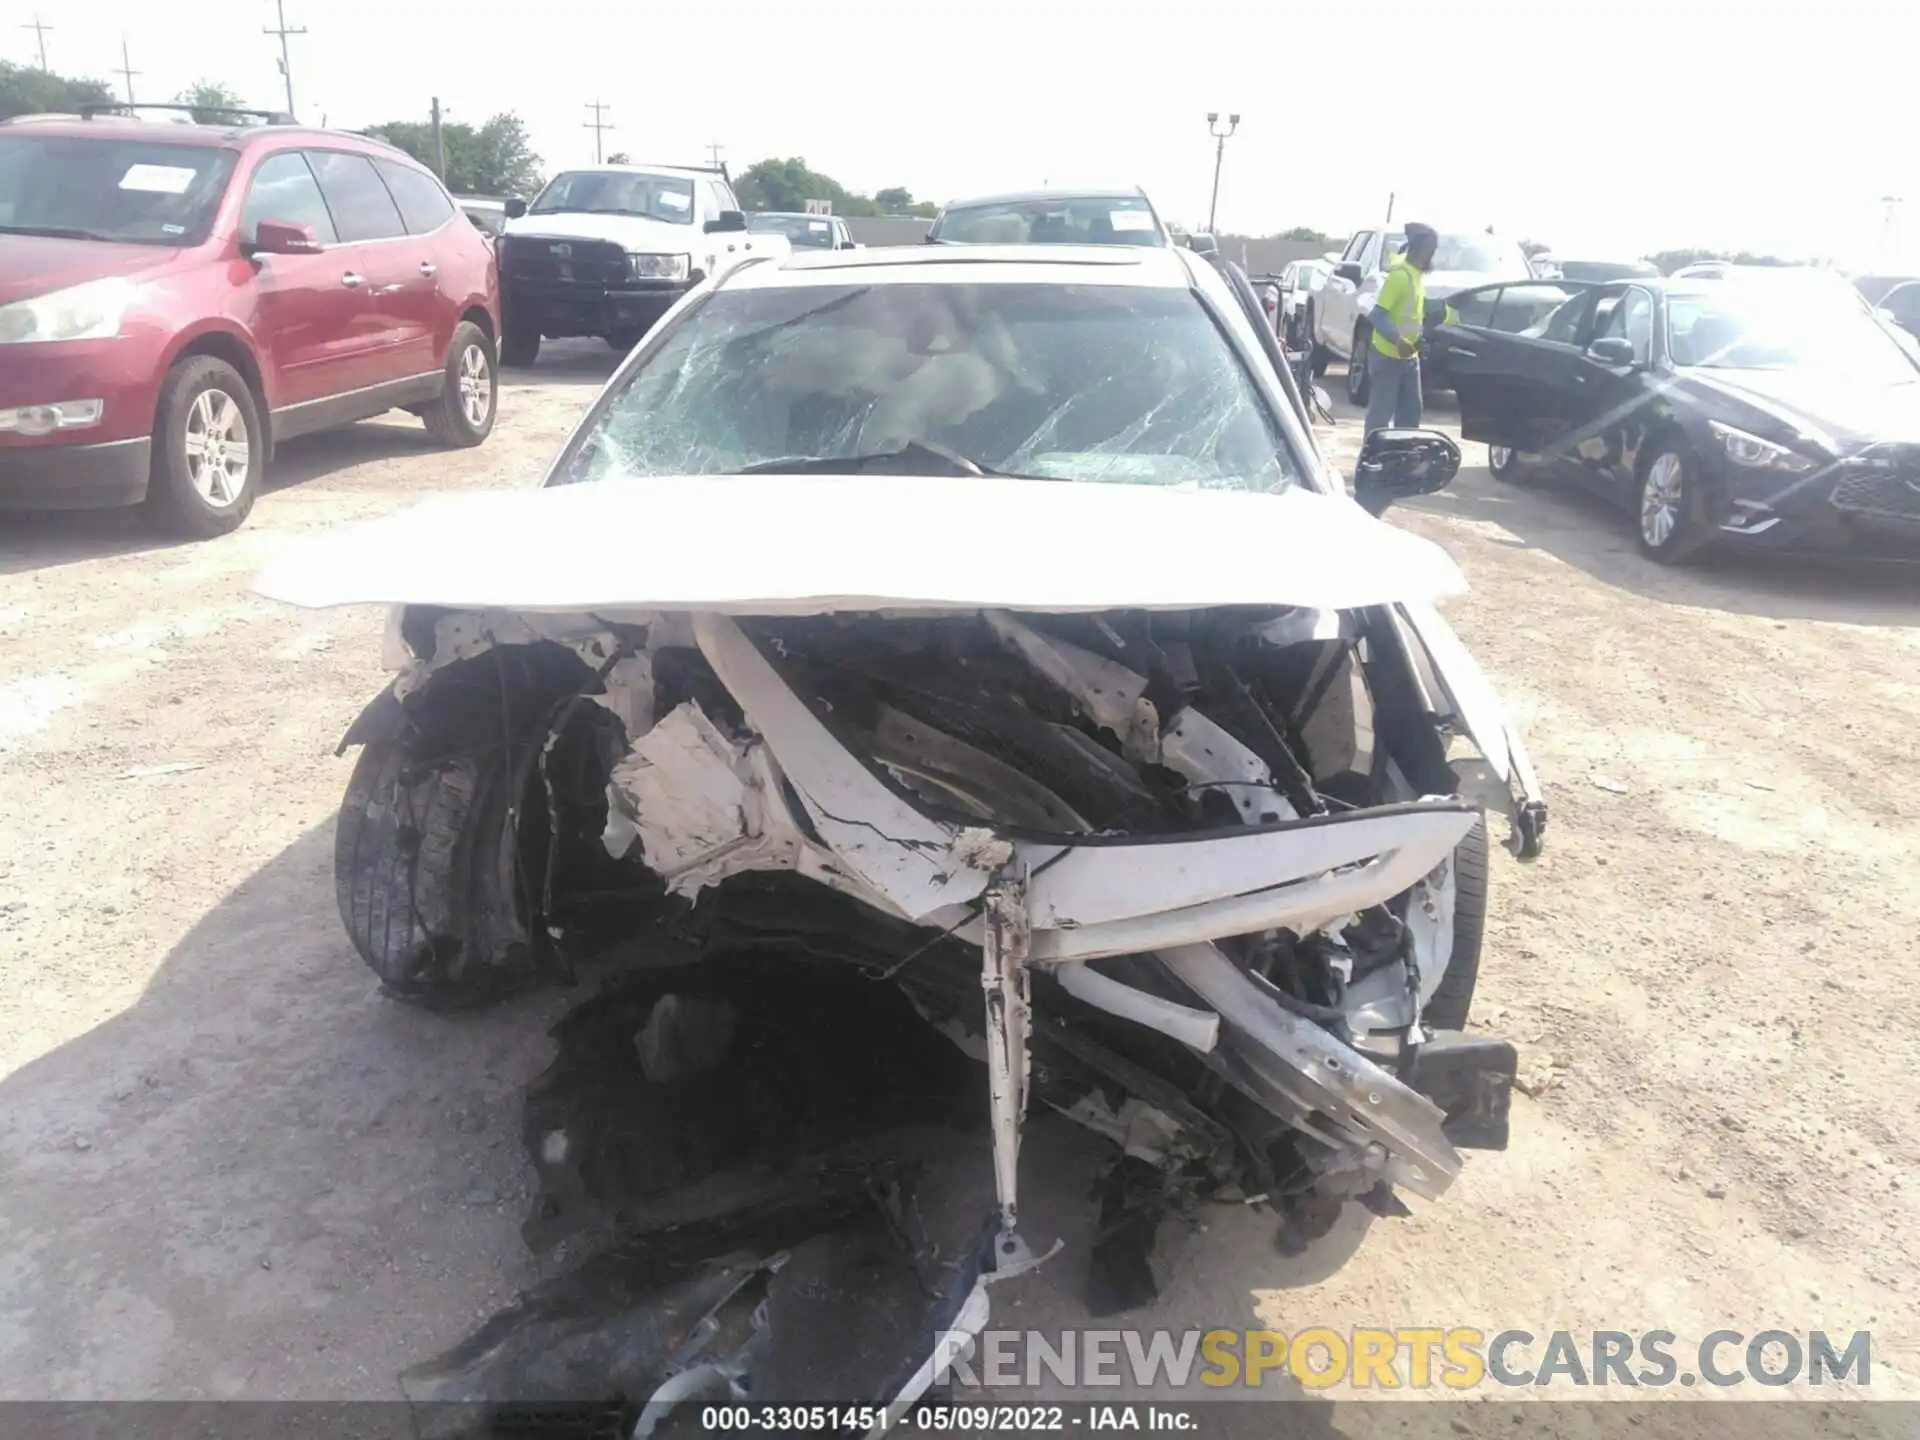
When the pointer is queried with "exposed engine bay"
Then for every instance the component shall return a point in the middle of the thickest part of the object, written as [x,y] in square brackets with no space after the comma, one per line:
[1207,882]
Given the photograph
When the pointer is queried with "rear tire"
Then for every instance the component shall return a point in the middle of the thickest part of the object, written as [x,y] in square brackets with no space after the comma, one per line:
[1359,380]
[209,450]
[623,341]
[519,346]
[463,415]
[1453,1000]
[1506,465]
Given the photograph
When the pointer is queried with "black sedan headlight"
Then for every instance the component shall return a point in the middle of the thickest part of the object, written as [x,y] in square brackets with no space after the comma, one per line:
[1750,452]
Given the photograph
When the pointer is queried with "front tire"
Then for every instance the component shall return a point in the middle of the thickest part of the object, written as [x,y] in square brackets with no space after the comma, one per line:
[1668,516]
[1506,465]
[209,450]
[1453,998]
[1359,381]
[463,415]
[425,876]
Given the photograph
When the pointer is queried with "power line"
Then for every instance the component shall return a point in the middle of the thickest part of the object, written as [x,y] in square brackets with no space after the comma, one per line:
[283,30]
[126,68]
[598,125]
[714,147]
[40,28]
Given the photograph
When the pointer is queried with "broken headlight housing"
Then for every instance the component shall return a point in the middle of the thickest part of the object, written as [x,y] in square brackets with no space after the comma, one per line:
[658,267]
[1754,453]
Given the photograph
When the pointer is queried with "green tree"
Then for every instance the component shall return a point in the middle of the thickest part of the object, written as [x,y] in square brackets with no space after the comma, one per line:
[491,159]
[26,91]
[894,200]
[619,157]
[209,98]
[1535,247]
[1305,235]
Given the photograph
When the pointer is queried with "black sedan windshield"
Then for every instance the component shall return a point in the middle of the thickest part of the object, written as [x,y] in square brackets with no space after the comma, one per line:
[1114,383]
[133,191]
[1732,329]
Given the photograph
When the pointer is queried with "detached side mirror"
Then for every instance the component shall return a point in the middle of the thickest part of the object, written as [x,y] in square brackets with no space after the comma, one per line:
[515,209]
[726,222]
[1349,272]
[1400,464]
[1611,350]
[283,237]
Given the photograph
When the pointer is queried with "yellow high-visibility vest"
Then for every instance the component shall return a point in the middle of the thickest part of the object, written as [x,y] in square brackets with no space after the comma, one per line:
[1403,295]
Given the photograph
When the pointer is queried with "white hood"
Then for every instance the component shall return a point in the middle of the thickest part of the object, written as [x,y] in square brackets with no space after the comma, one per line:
[635,232]
[799,545]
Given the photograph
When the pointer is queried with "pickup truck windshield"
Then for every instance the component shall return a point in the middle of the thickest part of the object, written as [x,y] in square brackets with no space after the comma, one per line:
[1474,254]
[1113,383]
[617,192]
[134,192]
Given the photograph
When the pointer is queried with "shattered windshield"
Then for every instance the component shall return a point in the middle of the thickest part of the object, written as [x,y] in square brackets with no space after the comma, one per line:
[1114,383]
[617,192]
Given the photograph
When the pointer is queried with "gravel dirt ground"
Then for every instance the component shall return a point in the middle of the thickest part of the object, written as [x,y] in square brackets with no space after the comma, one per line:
[229,1168]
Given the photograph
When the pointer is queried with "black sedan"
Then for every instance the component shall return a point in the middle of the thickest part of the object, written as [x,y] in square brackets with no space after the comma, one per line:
[1715,413]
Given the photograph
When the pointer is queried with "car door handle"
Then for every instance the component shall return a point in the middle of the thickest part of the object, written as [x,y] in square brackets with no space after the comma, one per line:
[429,269]
[1460,352]
[353,281]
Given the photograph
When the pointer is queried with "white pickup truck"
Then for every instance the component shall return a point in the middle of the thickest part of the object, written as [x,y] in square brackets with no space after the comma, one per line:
[607,251]
[1462,260]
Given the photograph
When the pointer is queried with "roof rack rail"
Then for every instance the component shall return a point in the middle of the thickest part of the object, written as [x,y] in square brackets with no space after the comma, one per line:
[720,169]
[266,117]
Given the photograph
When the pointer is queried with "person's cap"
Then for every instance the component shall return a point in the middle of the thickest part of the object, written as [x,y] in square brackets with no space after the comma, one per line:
[1416,232]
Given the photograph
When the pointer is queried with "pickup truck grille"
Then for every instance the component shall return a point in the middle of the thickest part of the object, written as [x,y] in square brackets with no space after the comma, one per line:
[558,262]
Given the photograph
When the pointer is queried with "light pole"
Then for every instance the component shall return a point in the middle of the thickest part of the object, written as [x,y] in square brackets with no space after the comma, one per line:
[1220,138]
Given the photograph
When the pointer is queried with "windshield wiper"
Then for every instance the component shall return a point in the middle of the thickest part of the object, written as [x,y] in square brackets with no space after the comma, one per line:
[916,457]
[52,232]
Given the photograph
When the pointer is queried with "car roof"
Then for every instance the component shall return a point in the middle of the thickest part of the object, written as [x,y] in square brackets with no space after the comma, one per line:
[1147,267]
[795,215]
[173,132]
[1011,197]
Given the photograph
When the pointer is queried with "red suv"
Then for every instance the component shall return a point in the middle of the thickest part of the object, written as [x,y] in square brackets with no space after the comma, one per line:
[177,299]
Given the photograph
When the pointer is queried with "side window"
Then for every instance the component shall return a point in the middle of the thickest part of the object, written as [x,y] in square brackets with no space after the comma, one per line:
[1356,247]
[1525,309]
[1632,318]
[728,200]
[283,188]
[1566,325]
[1904,302]
[361,206]
[424,206]
[714,198]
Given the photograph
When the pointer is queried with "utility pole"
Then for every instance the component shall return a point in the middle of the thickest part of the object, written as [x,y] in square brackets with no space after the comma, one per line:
[283,30]
[40,28]
[126,69]
[439,143]
[599,126]
[714,147]
[1220,138]
[1390,198]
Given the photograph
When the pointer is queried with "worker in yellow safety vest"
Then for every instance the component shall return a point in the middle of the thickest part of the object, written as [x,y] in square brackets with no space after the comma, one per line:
[1392,357]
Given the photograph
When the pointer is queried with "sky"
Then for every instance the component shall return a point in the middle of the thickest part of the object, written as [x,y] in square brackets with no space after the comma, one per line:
[1602,129]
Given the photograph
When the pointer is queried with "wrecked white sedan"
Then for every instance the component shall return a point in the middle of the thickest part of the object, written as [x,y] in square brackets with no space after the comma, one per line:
[987,623]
